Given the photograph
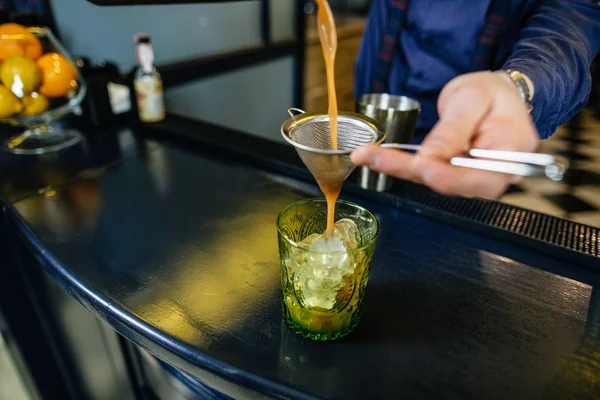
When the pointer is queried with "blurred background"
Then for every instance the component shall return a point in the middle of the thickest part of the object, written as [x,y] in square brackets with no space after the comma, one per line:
[242,64]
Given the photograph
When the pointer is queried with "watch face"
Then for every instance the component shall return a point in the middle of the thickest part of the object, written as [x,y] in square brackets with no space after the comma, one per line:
[521,83]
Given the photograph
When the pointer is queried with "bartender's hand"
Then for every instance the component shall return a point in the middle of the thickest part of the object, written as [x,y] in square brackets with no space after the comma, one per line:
[477,110]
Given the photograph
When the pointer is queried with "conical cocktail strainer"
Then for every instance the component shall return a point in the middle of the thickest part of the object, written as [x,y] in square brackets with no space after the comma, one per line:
[310,135]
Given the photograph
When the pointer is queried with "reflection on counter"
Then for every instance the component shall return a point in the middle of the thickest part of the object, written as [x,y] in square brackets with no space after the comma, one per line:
[74,209]
[225,266]
[159,167]
[296,364]
[22,176]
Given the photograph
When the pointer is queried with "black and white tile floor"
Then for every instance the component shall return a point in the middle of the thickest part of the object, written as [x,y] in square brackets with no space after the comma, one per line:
[577,197]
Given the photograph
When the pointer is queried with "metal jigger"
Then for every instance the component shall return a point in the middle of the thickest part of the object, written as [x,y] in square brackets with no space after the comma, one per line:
[398,115]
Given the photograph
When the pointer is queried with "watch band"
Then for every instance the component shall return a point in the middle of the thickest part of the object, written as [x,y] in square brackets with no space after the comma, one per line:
[520,82]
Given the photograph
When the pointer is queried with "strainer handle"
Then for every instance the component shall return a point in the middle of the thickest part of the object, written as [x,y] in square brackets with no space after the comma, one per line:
[507,162]
[295,111]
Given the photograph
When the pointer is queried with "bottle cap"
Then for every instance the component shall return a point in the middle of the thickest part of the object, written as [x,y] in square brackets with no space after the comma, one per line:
[139,38]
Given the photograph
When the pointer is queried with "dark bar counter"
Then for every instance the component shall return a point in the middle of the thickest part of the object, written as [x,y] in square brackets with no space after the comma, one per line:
[167,233]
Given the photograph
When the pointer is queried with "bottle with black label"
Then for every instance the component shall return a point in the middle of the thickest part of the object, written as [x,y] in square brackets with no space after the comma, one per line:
[147,82]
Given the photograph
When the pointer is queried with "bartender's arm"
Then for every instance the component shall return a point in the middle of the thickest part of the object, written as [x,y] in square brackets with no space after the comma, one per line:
[486,109]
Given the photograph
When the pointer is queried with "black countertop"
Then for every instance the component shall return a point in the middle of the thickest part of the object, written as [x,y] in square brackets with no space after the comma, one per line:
[172,240]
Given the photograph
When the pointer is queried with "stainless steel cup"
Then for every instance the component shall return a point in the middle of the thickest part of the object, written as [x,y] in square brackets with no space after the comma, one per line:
[398,115]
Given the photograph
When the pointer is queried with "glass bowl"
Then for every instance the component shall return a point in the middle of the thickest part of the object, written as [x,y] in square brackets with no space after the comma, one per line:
[39,137]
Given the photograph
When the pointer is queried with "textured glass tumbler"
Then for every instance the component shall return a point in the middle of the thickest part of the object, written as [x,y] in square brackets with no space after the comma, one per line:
[323,291]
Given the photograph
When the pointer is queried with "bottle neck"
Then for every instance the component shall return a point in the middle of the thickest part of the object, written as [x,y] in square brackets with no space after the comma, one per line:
[145,57]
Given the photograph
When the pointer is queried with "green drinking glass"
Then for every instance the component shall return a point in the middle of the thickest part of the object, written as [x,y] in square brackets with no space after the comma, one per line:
[324,281]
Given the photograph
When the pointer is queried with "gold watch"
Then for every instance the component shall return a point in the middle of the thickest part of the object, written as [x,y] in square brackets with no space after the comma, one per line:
[522,85]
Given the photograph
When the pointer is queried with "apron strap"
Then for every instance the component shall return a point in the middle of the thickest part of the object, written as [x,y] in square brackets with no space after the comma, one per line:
[389,45]
[483,57]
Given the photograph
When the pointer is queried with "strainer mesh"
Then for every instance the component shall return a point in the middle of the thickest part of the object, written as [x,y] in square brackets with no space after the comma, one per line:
[315,133]
[312,139]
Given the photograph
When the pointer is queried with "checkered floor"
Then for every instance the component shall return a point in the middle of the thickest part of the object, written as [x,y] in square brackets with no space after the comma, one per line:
[577,197]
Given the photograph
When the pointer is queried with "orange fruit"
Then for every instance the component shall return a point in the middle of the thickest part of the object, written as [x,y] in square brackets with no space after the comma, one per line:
[34,104]
[20,74]
[9,104]
[16,40]
[59,76]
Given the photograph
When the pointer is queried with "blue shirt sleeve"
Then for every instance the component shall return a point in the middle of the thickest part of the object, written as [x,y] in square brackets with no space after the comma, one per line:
[556,48]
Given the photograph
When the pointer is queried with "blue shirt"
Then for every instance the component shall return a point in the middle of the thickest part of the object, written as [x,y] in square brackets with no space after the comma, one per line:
[551,41]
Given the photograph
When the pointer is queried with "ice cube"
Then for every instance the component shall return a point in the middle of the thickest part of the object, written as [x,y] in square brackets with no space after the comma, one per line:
[311,238]
[332,244]
[324,268]
[322,271]
[347,231]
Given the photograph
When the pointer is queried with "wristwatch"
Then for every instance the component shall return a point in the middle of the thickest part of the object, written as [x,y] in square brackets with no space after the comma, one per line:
[520,81]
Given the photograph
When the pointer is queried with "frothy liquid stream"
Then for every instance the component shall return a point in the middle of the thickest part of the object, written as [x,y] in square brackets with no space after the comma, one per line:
[328,38]
[332,191]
